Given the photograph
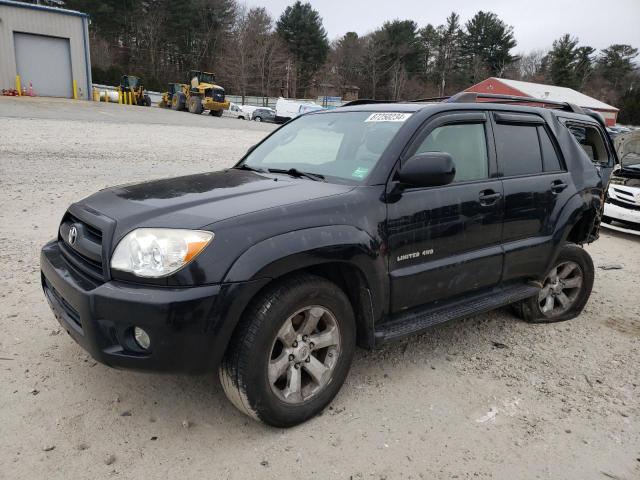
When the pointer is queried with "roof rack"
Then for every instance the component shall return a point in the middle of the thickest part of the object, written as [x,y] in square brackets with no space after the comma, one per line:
[472,97]
[366,101]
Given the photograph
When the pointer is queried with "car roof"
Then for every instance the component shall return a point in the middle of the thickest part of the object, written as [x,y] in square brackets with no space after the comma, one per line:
[412,107]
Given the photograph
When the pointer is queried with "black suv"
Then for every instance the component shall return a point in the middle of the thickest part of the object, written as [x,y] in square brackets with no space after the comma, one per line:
[359,225]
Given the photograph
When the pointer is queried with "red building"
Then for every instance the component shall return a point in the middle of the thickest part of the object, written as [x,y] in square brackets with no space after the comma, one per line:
[504,86]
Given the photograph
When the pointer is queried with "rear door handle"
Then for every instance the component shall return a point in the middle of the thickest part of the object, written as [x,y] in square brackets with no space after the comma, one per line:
[489,197]
[557,186]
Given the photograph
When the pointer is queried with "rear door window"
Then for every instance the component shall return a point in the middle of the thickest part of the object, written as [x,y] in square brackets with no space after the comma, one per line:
[550,159]
[518,148]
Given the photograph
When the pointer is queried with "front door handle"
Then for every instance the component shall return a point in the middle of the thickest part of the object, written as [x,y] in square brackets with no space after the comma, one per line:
[557,186]
[489,197]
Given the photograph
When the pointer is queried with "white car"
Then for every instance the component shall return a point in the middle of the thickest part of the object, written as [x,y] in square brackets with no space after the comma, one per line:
[243,112]
[622,207]
[288,109]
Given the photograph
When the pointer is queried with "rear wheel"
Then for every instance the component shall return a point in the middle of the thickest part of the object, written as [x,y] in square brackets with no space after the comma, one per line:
[258,119]
[216,113]
[291,353]
[565,290]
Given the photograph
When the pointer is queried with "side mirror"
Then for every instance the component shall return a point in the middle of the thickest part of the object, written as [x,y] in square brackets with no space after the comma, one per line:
[430,169]
[251,149]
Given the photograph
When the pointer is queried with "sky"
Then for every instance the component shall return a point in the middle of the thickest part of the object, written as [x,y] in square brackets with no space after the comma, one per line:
[597,23]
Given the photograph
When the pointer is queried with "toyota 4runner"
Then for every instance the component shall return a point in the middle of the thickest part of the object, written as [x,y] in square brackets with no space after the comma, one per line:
[349,227]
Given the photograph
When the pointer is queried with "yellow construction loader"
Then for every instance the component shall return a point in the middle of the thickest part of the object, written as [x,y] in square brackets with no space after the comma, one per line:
[167,96]
[202,93]
[131,86]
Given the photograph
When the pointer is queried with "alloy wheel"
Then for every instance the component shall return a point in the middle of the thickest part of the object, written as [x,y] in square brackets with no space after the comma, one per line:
[304,354]
[561,289]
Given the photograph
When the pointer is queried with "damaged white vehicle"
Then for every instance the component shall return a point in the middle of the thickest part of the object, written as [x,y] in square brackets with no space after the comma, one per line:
[622,207]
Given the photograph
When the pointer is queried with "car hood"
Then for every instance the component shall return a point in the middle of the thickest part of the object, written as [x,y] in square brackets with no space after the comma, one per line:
[196,201]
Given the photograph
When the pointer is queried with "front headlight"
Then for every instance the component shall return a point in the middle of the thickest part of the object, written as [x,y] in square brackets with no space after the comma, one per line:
[158,252]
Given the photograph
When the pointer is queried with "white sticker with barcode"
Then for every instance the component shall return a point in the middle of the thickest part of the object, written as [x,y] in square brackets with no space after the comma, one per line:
[388,117]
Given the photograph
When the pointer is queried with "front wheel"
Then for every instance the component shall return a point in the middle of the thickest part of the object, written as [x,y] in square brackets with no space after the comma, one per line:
[258,119]
[565,290]
[291,352]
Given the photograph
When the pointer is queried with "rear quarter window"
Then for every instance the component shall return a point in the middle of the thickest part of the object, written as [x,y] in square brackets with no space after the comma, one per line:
[591,141]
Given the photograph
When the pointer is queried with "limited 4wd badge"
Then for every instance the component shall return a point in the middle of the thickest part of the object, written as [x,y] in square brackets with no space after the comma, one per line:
[412,255]
[388,117]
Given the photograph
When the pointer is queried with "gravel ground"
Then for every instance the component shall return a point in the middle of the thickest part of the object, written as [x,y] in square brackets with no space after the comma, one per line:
[487,397]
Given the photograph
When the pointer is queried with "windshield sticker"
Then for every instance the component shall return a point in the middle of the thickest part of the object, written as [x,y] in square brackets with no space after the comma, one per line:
[388,117]
[360,172]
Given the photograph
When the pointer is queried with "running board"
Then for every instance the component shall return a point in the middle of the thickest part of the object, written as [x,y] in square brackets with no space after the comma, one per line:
[415,321]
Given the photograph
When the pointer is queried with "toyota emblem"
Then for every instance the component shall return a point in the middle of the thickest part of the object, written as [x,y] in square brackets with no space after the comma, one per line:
[73,235]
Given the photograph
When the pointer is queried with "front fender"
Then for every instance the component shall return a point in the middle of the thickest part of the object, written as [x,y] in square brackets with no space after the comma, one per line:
[282,254]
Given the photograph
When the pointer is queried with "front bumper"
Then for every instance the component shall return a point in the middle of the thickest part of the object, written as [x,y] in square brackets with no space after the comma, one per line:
[627,215]
[189,327]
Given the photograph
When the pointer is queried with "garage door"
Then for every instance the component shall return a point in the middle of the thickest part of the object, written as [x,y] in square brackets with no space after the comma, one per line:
[45,62]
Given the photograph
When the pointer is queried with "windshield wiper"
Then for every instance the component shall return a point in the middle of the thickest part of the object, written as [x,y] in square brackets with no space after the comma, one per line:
[294,172]
[244,166]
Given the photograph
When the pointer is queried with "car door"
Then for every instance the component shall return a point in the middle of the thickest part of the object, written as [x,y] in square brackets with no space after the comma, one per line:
[536,186]
[445,241]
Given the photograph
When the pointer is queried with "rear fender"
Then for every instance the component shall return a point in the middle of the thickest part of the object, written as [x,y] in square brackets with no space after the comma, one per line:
[585,205]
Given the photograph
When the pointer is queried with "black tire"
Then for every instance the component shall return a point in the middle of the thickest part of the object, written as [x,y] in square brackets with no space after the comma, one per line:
[532,310]
[244,372]
[147,101]
[240,117]
[216,113]
[258,119]
[195,105]
[177,101]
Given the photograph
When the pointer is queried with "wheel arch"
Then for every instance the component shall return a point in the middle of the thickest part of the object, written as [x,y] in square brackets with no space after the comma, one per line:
[342,254]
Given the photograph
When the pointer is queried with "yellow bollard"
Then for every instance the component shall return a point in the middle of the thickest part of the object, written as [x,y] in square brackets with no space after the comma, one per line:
[75,90]
[130,102]
[18,85]
[119,97]
[106,96]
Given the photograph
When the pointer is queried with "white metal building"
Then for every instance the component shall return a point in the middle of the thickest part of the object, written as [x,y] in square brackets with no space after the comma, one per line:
[47,47]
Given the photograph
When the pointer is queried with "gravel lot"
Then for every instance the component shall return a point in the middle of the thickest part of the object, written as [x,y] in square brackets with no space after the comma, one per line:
[487,397]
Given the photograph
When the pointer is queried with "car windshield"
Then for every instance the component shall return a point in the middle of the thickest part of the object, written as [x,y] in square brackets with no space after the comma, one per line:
[342,146]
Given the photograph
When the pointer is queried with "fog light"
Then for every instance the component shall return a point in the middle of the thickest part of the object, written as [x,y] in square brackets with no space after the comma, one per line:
[142,338]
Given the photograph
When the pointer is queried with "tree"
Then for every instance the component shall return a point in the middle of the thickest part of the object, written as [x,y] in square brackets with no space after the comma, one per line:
[402,51]
[428,39]
[300,27]
[616,63]
[347,58]
[251,31]
[487,44]
[449,49]
[583,66]
[375,62]
[569,65]
[629,104]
